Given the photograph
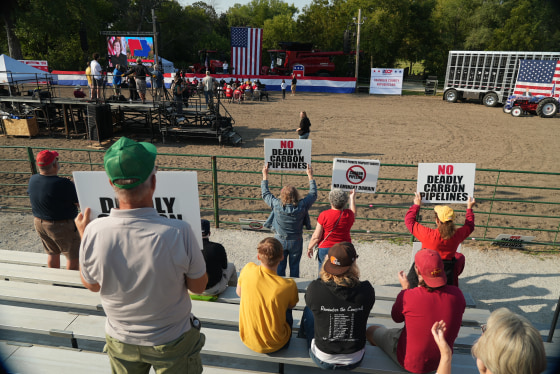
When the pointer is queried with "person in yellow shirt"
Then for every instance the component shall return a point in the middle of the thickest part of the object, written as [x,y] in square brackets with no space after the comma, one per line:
[267,299]
[89,80]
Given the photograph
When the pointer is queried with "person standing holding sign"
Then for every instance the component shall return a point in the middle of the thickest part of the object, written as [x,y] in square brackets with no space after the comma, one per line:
[289,215]
[333,225]
[444,239]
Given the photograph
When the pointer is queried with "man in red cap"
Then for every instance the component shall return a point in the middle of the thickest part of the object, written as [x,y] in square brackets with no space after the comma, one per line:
[413,347]
[54,204]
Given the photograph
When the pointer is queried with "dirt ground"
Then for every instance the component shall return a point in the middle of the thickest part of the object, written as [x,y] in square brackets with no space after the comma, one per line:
[404,130]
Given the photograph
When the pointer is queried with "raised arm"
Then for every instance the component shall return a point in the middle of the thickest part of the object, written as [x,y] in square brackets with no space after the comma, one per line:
[267,196]
[353,202]
[438,330]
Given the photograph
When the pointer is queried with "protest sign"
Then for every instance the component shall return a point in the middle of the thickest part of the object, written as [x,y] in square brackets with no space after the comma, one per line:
[512,241]
[349,174]
[446,183]
[386,81]
[175,197]
[287,154]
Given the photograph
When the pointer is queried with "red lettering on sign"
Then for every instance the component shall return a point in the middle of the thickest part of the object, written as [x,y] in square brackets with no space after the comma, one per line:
[516,237]
[286,144]
[445,169]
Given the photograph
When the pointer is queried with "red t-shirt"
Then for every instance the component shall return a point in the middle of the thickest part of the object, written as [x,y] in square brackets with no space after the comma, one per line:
[341,233]
[431,239]
[417,351]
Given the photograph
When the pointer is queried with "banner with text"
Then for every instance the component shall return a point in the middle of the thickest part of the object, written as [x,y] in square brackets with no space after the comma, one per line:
[175,197]
[287,154]
[386,81]
[446,183]
[360,175]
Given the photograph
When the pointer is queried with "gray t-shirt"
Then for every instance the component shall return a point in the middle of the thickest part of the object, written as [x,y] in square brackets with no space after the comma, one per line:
[141,259]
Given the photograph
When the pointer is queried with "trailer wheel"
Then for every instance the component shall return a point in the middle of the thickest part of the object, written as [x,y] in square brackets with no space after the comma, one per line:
[506,110]
[516,111]
[490,99]
[547,108]
[451,96]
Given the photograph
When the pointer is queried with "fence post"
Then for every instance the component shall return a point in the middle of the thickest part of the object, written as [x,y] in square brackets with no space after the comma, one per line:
[31,160]
[215,193]
[491,204]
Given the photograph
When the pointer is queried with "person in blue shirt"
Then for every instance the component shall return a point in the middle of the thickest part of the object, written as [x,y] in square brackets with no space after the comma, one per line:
[289,215]
[117,79]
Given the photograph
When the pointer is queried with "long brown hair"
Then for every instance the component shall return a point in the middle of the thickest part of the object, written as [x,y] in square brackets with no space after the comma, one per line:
[446,229]
[289,196]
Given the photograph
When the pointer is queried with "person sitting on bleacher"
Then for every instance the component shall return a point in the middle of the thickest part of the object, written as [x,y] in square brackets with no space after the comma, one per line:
[445,239]
[413,347]
[265,310]
[229,93]
[221,273]
[337,296]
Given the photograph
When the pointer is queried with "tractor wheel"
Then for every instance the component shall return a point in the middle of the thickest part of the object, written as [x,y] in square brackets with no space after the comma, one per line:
[490,99]
[506,110]
[451,96]
[516,111]
[547,108]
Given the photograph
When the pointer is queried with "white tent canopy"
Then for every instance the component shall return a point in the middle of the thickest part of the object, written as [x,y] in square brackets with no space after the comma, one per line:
[13,71]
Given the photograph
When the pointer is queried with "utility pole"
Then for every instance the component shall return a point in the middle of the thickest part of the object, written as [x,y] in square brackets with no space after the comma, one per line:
[154,24]
[358,22]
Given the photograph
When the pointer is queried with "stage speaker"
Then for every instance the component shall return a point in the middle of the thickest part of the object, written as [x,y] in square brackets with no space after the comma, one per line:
[99,121]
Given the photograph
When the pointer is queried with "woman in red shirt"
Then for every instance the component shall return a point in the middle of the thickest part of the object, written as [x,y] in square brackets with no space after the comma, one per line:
[444,239]
[333,225]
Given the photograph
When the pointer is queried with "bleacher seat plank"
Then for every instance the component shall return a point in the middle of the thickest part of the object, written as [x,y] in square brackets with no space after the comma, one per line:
[24,258]
[34,320]
[35,274]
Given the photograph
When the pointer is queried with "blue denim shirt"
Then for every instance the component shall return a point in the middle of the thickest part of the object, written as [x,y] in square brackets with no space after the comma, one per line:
[288,220]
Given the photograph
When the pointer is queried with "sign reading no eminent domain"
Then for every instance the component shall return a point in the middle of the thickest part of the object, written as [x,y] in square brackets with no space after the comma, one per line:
[360,175]
[287,154]
[446,183]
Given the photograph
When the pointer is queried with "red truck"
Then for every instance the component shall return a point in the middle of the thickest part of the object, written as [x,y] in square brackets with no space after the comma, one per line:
[290,53]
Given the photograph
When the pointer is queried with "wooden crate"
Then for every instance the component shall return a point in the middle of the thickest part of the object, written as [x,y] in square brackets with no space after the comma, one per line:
[21,127]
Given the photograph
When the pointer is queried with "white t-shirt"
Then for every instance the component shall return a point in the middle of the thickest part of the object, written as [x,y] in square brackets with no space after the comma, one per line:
[141,259]
[95,69]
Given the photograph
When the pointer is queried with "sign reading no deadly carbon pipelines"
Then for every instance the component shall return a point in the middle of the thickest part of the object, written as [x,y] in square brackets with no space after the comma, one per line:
[350,174]
[175,197]
[287,154]
[446,183]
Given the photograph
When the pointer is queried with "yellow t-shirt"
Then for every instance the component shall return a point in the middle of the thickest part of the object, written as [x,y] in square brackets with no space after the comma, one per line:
[88,76]
[265,298]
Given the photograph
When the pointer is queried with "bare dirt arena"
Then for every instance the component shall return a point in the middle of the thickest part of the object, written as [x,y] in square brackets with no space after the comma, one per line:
[393,130]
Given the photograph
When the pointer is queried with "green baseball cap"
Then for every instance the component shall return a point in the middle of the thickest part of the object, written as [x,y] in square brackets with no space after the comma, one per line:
[128,159]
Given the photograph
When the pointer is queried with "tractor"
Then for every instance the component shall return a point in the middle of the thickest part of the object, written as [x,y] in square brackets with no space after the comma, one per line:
[543,106]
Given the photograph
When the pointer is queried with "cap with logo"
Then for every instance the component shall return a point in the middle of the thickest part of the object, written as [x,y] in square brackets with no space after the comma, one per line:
[340,257]
[46,157]
[128,159]
[430,266]
[444,213]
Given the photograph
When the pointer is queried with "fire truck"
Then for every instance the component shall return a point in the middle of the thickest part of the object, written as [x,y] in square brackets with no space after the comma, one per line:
[315,62]
[488,76]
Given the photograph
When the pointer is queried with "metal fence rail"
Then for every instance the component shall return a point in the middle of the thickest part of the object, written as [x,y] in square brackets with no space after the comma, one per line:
[508,201]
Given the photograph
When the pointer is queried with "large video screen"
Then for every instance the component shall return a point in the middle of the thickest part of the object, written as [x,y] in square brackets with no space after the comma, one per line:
[123,50]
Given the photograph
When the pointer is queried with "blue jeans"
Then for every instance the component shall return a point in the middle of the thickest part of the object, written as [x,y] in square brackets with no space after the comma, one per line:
[307,328]
[321,257]
[304,136]
[208,96]
[292,251]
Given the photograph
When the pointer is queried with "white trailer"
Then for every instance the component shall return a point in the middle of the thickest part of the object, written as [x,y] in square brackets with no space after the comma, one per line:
[488,76]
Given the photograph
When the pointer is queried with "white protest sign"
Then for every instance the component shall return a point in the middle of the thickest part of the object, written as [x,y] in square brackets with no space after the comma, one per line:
[512,241]
[386,81]
[175,197]
[446,183]
[287,154]
[349,174]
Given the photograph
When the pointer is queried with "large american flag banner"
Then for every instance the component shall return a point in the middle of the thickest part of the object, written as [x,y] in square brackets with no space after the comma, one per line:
[539,77]
[246,47]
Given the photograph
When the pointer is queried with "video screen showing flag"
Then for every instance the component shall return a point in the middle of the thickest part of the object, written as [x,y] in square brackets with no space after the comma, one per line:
[538,77]
[124,50]
[246,48]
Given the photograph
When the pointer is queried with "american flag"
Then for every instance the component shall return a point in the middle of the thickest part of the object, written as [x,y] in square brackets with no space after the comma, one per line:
[246,46]
[539,77]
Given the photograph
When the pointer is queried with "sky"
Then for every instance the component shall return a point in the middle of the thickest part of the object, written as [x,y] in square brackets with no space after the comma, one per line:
[223,5]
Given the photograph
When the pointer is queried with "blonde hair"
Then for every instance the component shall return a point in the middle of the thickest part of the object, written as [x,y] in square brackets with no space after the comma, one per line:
[289,196]
[351,278]
[270,251]
[510,345]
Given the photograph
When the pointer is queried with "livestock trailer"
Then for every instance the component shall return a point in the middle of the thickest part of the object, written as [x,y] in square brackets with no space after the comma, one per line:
[488,76]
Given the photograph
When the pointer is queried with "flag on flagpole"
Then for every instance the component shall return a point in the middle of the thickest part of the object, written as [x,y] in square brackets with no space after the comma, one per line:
[246,46]
[538,77]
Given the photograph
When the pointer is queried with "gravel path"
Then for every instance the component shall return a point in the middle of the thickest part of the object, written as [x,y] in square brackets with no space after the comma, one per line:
[526,284]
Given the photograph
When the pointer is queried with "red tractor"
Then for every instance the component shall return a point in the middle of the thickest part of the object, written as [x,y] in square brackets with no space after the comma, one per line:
[211,60]
[545,107]
[291,53]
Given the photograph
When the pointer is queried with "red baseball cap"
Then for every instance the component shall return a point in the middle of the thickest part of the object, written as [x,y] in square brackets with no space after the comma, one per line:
[430,267]
[46,157]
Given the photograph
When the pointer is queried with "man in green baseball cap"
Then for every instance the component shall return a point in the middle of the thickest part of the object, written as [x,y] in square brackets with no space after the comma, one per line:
[143,265]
